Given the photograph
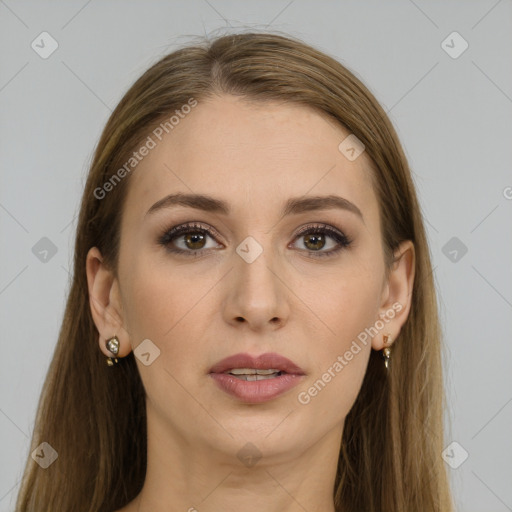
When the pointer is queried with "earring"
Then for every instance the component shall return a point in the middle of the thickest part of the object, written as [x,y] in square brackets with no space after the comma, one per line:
[386,352]
[112,346]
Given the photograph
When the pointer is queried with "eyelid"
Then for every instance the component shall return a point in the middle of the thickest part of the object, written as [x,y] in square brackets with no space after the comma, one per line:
[342,240]
[175,231]
[319,226]
[170,234]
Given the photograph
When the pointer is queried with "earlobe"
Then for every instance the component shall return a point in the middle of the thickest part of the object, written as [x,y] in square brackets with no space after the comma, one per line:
[105,303]
[397,299]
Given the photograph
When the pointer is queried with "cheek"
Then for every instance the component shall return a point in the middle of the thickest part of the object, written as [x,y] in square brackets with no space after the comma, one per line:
[333,389]
[157,298]
[347,299]
[172,308]
[163,305]
[349,307]
[340,361]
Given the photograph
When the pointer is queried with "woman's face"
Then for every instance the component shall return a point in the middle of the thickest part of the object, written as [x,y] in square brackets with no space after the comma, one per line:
[255,284]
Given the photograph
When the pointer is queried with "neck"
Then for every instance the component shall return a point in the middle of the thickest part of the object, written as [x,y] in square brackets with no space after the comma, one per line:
[234,474]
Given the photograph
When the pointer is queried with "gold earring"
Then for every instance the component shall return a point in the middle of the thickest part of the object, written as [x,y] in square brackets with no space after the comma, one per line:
[386,352]
[112,346]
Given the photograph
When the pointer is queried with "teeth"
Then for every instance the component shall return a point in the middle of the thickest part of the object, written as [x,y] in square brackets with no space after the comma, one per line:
[256,376]
[252,371]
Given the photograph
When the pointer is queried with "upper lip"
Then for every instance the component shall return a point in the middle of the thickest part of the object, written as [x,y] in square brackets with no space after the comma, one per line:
[262,362]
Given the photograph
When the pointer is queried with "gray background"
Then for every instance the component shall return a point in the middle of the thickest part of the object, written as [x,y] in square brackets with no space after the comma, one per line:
[453,116]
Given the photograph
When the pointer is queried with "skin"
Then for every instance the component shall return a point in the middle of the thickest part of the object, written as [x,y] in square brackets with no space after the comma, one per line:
[255,156]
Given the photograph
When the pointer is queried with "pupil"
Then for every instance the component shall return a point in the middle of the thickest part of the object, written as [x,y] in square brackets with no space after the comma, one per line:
[196,238]
[313,237]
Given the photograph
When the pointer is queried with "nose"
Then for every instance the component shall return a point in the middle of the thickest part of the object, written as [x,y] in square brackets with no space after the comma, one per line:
[257,293]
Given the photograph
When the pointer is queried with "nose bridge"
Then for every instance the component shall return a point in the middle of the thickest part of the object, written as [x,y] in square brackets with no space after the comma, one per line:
[256,290]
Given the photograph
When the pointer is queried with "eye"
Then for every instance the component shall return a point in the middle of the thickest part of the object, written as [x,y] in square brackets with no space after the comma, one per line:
[315,239]
[193,235]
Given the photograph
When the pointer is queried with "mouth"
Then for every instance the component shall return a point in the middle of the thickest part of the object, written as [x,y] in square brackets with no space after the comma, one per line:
[256,379]
[263,365]
[253,374]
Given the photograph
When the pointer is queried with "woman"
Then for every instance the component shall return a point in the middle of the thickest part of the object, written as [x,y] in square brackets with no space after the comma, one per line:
[251,260]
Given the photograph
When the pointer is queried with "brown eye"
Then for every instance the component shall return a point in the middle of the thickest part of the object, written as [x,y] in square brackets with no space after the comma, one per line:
[187,238]
[315,239]
[194,241]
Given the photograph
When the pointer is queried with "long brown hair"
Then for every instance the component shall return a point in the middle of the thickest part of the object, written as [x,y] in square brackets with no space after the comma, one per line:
[94,416]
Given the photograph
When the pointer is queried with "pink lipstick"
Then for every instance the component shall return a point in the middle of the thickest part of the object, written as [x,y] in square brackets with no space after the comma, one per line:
[256,379]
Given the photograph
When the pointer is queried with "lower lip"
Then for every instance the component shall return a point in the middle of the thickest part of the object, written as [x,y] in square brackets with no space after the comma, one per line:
[255,391]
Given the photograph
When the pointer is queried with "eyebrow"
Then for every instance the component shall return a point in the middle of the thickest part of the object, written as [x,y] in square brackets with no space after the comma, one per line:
[294,205]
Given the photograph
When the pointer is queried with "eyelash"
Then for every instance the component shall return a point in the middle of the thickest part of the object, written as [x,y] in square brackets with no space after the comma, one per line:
[190,228]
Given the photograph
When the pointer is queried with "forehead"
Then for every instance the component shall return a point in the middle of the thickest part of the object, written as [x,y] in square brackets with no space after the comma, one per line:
[250,153]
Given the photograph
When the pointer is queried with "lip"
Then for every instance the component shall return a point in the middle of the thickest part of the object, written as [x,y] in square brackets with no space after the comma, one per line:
[259,390]
[261,362]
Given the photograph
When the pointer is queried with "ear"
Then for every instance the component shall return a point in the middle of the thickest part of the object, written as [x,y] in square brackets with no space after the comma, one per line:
[105,303]
[397,294]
